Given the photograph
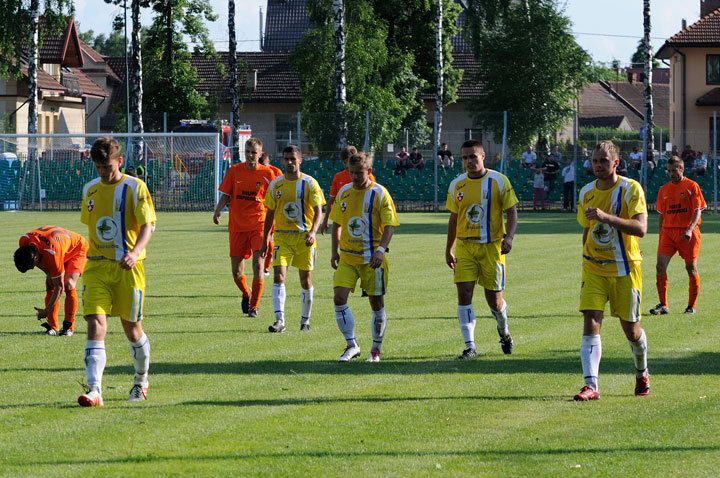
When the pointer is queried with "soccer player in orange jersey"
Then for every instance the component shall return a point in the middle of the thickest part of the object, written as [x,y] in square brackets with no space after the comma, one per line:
[680,203]
[243,189]
[339,180]
[61,255]
[265,161]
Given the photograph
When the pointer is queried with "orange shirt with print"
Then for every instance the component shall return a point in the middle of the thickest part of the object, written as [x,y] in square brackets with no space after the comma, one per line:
[677,203]
[341,179]
[246,188]
[56,247]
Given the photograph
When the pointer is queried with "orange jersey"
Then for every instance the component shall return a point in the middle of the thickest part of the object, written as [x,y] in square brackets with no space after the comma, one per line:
[246,188]
[341,179]
[275,170]
[56,247]
[677,203]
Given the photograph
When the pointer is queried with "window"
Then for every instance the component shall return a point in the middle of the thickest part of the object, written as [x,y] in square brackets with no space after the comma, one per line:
[712,70]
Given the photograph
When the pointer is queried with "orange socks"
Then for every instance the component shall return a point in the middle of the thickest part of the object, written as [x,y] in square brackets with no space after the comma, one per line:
[71,305]
[694,288]
[662,284]
[52,318]
[257,288]
[242,285]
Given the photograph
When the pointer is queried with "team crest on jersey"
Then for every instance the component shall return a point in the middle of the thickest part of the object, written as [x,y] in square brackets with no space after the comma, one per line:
[475,213]
[257,185]
[343,206]
[291,211]
[278,193]
[91,205]
[603,234]
[106,229]
[357,227]
[682,195]
[460,196]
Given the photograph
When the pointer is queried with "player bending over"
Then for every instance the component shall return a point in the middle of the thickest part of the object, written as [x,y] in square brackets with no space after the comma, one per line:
[613,215]
[364,220]
[294,205]
[120,216]
[476,200]
[61,254]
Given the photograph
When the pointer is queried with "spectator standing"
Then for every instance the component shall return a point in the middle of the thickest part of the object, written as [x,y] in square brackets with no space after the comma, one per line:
[416,159]
[445,157]
[538,188]
[551,168]
[568,176]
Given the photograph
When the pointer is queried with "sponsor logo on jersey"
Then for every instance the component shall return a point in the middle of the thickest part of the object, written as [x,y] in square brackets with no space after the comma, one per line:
[475,213]
[91,192]
[603,234]
[357,226]
[106,229]
[291,211]
[91,204]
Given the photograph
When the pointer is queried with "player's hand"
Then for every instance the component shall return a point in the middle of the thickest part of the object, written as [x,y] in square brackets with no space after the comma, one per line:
[334,259]
[263,249]
[309,239]
[41,313]
[450,259]
[128,261]
[687,234]
[593,213]
[216,218]
[506,244]
[323,228]
[376,259]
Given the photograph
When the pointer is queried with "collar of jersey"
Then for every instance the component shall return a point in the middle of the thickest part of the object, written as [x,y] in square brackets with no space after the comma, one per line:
[487,171]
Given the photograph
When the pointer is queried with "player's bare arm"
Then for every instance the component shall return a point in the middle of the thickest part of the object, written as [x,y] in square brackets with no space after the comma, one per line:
[57,284]
[129,260]
[222,202]
[451,234]
[324,225]
[635,226]
[310,236]
[334,255]
[269,221]
[687,234]
[377,257]
[511,226]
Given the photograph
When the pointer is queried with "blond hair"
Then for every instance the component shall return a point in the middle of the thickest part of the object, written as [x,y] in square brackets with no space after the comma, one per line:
[362,159]
[608,148]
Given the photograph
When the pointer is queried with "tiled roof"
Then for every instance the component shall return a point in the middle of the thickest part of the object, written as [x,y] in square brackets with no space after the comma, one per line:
[633,93]
[87,86]
[468,88]
[117,66]
[61,48]
[711,98]
[601,121]
[459,43]
[45,81]
[624,99]
[703,33]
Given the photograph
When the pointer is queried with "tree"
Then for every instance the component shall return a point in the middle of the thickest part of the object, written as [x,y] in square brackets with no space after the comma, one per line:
[647,85]
[387,69]
[232,63]
[340,87]
[530,66]
[638,58]
[110,45]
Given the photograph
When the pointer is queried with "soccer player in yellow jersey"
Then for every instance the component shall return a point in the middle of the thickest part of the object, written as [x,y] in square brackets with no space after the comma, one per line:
[476,200]
[294,204]
[364,220]
[120,216]
[613,214]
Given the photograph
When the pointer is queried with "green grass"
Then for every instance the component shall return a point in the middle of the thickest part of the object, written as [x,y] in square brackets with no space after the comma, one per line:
[228,398]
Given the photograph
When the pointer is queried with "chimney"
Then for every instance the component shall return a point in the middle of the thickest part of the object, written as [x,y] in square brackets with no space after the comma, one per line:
[708,6]
[684,24]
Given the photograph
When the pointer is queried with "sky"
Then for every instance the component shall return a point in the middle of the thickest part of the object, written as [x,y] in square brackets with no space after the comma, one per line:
[607,29]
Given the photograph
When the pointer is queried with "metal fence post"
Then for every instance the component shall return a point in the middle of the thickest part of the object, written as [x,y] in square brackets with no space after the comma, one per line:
[714,162]
[503,165]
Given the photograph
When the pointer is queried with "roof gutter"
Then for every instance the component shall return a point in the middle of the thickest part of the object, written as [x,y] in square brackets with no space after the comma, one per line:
[684,99]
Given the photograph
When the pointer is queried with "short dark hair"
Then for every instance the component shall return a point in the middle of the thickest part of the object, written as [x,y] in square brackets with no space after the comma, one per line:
[104,150]
[675,160]
[361,158]
[473,143]
[293,149]
[347,151]
[25,258]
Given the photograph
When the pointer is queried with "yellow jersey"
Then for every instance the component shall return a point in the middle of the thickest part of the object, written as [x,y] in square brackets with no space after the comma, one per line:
[114,214]
[608,252]
[479,204]
[362,214]
[293,202]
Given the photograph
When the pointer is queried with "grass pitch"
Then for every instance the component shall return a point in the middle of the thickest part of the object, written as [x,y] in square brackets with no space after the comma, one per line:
[228,398]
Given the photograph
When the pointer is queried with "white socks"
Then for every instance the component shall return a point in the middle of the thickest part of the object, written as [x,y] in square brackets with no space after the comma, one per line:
[278,298]
[466,317]
[346,323]
[141,358]
[501,318]
[306,299]
[639,351]
[95,359]
[590,353]
[379,321]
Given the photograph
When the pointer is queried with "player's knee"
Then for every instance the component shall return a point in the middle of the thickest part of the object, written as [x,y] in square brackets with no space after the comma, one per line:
[691,268]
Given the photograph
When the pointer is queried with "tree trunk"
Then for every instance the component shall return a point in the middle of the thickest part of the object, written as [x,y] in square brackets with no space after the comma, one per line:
[647,83]
[137,91]
[440,71]
[340,93]
[234,100]
[32,68]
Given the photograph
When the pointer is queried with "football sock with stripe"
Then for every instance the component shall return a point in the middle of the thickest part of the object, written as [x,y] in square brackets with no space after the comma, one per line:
[95,359]
[241,283]
[639,351]
[52,316]
[306,301]
[379,321]
[71,305]
[257,289]
[662,284]
[590,354]
[693,288]
[466,317]
[278,298]
[141,359]
[346,323]
[501,318]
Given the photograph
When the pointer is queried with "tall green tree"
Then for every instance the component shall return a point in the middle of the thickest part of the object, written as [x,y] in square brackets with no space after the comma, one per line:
[387,69]
[638,58]
[530,66]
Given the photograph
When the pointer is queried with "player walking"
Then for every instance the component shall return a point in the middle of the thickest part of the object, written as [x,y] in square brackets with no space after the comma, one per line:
[294,204]
[364,220]
[120,216]
[243,189]
[61,255]
[680,203]
[476,200]
[613,215]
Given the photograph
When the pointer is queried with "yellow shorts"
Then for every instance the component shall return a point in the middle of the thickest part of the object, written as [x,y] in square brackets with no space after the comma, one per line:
[624,294]
[110,290]
[290,250]
[481,263]
[372,281]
